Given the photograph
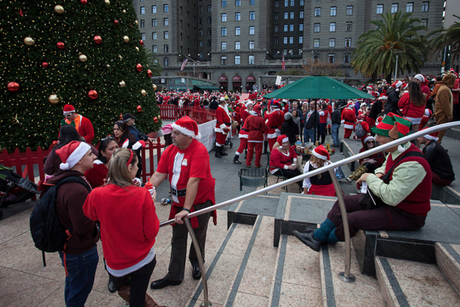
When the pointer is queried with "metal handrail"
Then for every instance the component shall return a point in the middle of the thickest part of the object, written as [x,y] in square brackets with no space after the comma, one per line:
[329,168]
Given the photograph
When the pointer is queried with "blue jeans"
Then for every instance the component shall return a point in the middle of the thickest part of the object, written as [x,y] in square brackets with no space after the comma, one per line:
[308,135]
[81,269]
[335,133]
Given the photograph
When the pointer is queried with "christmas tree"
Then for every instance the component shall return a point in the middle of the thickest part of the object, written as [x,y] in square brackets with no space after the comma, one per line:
[87,53]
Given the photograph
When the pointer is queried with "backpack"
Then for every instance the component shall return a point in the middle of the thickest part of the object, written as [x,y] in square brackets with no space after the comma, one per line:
[359,131]
[47,231]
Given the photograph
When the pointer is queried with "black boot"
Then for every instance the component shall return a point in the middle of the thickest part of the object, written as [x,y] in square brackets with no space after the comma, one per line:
[222,151]
[235,159]
[218,152]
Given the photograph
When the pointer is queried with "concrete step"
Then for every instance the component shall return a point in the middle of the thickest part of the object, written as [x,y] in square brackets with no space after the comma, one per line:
[448,260]
[408,283]
[453,133]
[364,291]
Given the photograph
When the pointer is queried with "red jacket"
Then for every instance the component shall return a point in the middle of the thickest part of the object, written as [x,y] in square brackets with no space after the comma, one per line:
[256,128]
[323,118]
[349,118]
[223,122]
[281,160]
[409,109]
[274,120]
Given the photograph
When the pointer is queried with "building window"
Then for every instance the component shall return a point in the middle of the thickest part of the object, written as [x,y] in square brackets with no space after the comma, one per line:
[200,9]
[223,45]
[154,9]
[154,36]
[142,10]
[300,39]
[285,40]
[291,40]
[301,2]
[224,31]
[166,62]
[285,28]
[333,11]
[379,9]
[251,59]
[316,43]
[209,20]
[180,37]
[165,8]
[425,6]
[166,21]
[348,26]
[224,17]
[224,3]
[252,30]
[275,41]
[180,23]
[301,27]
[394,7]
[424,22]
[346,59]
[332,27]
[223,60]
[286,3]
[331,58]
[237,31]
[237,45]
[332,42]
[142,23]
[166,35]
[252,2]
[276,28]
[209,31]
[237,16]
[291,28]
[286,15]
[237,2]
[166,48]
[154,22]
[285,51]
[349,10]
[209,8]
[292,15]
[237,60]
[317,11]
[301,14]
[252,15]
[200,32]
[277,3]
[347,41]
[292,2]
[317,28]
[277,16]
[200,43]
[154,49]
[409,7]
[209,43]
[143,36]
[251,45]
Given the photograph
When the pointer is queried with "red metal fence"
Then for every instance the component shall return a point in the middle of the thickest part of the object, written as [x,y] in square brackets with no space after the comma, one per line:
[172,112]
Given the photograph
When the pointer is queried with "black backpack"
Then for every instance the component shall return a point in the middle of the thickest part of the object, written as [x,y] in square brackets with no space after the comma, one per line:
[47,231]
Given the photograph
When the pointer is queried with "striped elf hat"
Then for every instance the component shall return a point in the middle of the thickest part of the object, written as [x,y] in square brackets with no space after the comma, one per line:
[393,126]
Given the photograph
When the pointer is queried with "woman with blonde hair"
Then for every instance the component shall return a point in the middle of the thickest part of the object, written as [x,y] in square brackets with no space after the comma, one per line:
[320,184]
[129,225]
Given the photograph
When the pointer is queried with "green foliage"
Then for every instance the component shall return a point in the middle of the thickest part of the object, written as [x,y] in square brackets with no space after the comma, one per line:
[397,33]
[444,38]
[28,118]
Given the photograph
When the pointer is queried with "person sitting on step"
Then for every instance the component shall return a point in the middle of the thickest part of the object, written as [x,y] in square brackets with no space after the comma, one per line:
[320,184]
[405,192]
[369,164]
[283,159]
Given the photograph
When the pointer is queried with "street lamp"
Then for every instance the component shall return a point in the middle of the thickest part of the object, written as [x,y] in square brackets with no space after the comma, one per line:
[193,62]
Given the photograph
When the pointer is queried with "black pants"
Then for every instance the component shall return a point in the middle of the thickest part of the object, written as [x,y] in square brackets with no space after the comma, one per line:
[288,173]
[179,244]
[138,282]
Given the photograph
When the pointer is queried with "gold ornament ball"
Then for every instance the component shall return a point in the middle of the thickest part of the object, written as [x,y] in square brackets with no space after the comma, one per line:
[59,9]
[159,117]
[136,22]
[29,41]
[143,92]
[82,58]
[154,87]
[122,83]
[126,39]
[124,11]
[137,49]
[107,2]
[53,99]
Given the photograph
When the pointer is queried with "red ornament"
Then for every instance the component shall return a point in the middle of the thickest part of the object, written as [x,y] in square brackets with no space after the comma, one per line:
[149,72]
[139,109]
[84,1]
[44,64]
[141,42]
[121,116]
[93,94]
[97,39]
[60,45]
[115,22]
[13,87]
[155,119]
[139,67]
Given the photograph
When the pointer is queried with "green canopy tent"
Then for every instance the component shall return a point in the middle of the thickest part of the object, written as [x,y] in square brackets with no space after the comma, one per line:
[317,87]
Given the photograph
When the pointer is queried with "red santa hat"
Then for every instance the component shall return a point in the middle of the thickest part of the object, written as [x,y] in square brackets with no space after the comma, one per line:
[282,139]
[321,153]
[420,78]
[428,113]
[383,97]
[404,85]
[367,138]
[187,126]
[432,136]
[350,104]
[396,85]
[68,108]
[71,154]
[257,109]
[248,102]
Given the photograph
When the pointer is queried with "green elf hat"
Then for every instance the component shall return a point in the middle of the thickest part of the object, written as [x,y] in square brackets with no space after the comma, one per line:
[393,126]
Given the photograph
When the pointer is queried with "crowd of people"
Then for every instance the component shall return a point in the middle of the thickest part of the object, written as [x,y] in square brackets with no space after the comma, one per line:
[112,189]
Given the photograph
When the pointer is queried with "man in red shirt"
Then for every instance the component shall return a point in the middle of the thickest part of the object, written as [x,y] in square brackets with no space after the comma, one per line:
[223,124]
[273,120]
[348,119]
[186,164]
[81,123]
[256,128]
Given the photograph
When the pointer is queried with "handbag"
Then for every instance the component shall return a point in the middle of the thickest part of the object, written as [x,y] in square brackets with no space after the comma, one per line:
[369,200]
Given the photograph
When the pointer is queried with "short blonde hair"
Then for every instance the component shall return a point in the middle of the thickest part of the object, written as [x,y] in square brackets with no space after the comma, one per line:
[118,169]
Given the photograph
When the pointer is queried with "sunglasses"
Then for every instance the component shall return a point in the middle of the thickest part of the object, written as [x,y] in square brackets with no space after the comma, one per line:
[107,138]
[68,114]
[370,142]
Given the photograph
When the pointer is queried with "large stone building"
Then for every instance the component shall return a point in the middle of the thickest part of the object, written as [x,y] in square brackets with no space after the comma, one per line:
[235,43]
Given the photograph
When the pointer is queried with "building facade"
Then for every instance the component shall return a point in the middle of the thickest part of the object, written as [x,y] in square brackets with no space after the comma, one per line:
[234,43]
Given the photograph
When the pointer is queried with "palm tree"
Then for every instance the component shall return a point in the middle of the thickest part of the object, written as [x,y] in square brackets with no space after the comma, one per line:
[449,37]
[396,35]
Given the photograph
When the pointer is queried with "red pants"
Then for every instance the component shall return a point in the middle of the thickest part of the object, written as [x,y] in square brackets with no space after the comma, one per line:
[370,122]
[347,133]
[243,144]
[439,181]
[258,147]
[220,139]
[271,143]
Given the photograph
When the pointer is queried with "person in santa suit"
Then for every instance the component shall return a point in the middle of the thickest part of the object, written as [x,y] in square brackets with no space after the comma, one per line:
[81,123]
[187,166]
[223,124]
[283,159]
[273,120]
[243,135]
[348,119]
[320,184]
[256,128]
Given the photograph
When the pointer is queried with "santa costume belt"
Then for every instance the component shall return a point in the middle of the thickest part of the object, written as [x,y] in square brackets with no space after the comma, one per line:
[227,124]
[245,129]
[178,193]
